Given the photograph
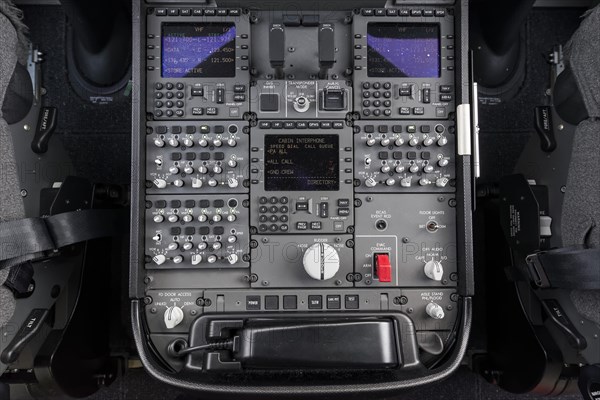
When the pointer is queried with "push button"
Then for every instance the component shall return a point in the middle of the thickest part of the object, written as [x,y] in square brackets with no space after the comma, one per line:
[290,302]
[333,302]
[253,303]
[315,302]
[271,302]
[269,102]
[351,301]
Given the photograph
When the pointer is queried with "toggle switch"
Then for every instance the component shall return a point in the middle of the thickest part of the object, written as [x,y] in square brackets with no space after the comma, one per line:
[383,267]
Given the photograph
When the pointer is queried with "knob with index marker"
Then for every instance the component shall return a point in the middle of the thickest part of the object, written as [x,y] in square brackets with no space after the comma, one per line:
[173,142]
[173,317]
[231,142]
[196,183]
[435,311]
[413,141]
[232,182]
[370,182]
[370,141]
[321,261]
[443,162]
[384,142]
[159,259]
[399,142]
[442,141]
[203,142]
[406,182]
[158,218]
[217,142]
[188,142]
[178,183]
[428,141]
[158,142]
[441,182]
[174,170]
[160,183]
[433,270]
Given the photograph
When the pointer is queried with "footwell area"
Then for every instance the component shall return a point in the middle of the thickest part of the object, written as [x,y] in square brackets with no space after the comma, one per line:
[97,138]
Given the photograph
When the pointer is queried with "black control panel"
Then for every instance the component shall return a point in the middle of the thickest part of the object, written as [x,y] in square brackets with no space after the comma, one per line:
[299,162]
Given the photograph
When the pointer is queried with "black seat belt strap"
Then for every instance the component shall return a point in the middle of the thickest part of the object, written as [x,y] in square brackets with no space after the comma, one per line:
[575,268]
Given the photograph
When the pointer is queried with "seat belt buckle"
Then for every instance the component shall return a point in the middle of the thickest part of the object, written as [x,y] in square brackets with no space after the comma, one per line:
[536,271]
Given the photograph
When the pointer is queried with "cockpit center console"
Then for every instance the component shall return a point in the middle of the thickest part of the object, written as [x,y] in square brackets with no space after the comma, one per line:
[299,171]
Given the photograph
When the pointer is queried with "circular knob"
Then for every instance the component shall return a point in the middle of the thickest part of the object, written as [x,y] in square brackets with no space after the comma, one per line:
[399,169]
[428,168]
[203,142]
[232,182]
[441,182]
[231,217]
[217,169]
[212,182]
[399,142]
[187,246]
[414,168]
[158,218]
[406,182]
[160,183]
[442,141]
[177,259]
[173,246]
[173,142]
[434,270]
[385,142]
[232,142]
[390,182]
[370,142]
[202,246]
[232,163]
[321,261]
[202,169]
[424,182]
[434,311]
[188,142]
[428,141]
[158,142]
[217,246]
[173,317]
[196,259]
[178,183]
[232,239]
[443,162]
[217,218]
[173,218]
[413,141]
[202,217]
[188,218]
[174,170]
[212,259]
[217,143]
[232,258]
[301,104]
[159,259]
[196,183]
[385,168]
[188,170]
[370,182]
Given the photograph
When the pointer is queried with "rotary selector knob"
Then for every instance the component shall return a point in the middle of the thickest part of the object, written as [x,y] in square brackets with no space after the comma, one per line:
[173,246]
[321,261]
[196,183]
[370,142]
[435,311]
[442,141]
[301,104]
[212,182]
[399,142]
[217,169]
[385,168]
[424,182]
[428,168]
[217,142]
[399,169]
[188,218]
[443,162]
[177,259]
[370,182]
[188,170]
[178,183]
[232,142]
[414,168]
[173,317]
[173,218]
[202,169]
[434,270]
[159,259]
[428,141]
[158,142]
[173,142]
[413,141]
[441,182]
[232,258]
[202,217]
[232,182]
[158,218]
[385,142]
[188,142]
[212,259]
[390,182]
[196,259]
[406,182]
[160,183]
[203,142]
[174,170]
[187,246]
[232,163]
[231,218]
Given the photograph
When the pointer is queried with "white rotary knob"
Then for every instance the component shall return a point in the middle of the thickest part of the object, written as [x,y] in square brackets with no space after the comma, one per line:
[321,261]
[435,311]
[173,317]
[433,270]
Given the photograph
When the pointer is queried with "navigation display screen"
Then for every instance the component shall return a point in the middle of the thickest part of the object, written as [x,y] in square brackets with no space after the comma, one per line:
[198,50]
[302,162]
[399,50]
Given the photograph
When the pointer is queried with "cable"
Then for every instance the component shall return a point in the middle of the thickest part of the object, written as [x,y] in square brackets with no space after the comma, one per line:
[221,345]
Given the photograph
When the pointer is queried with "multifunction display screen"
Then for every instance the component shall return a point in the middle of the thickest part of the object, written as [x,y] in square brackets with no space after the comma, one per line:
[198,50]
[399,50]
[302,162]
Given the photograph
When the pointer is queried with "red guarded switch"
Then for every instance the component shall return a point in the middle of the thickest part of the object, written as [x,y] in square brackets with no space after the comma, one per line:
[383,267]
